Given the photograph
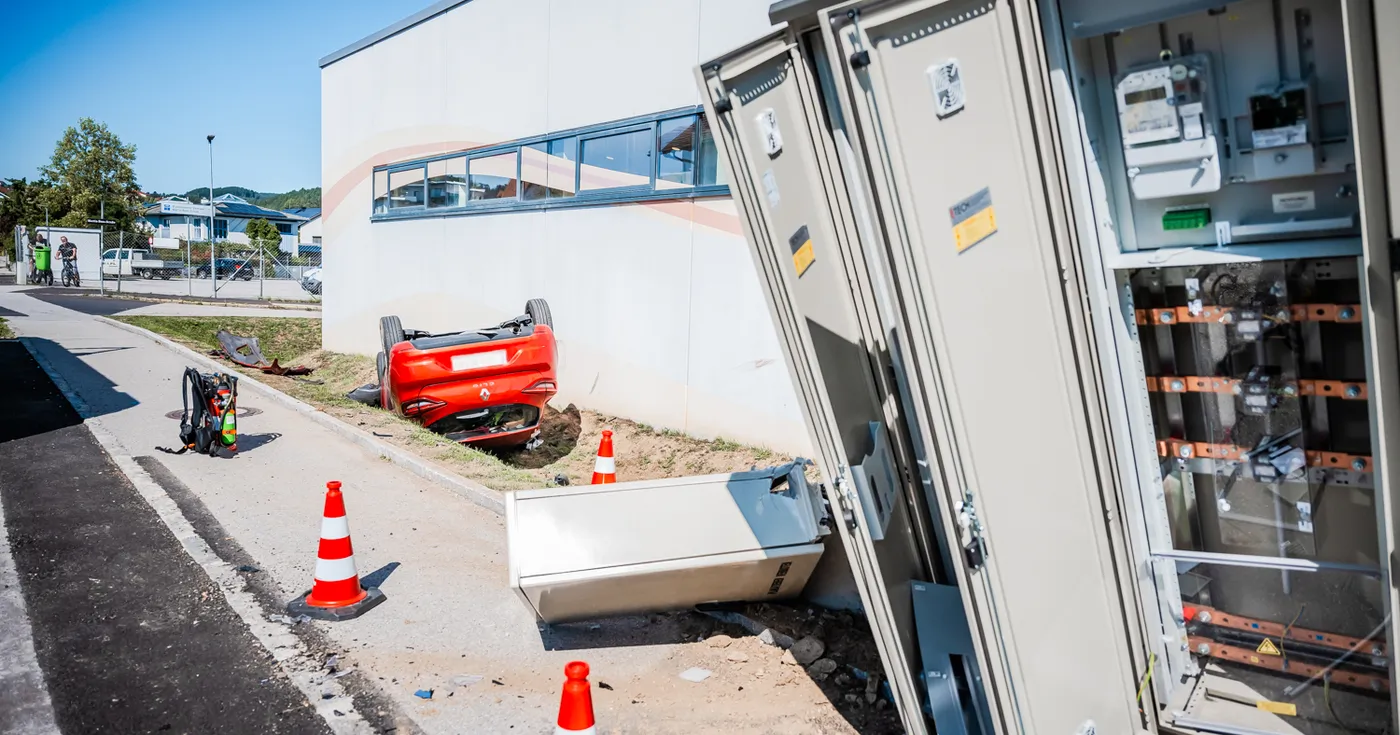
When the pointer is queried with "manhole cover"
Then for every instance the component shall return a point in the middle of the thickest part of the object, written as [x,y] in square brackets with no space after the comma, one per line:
[242,411]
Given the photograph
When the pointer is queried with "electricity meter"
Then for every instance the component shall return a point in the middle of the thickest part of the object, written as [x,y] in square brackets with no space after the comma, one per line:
[1169,142]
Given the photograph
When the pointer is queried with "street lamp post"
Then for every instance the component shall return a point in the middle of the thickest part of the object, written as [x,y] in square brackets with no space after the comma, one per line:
[213,269]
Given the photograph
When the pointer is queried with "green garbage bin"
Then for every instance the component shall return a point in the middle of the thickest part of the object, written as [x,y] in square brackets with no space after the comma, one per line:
[43,256]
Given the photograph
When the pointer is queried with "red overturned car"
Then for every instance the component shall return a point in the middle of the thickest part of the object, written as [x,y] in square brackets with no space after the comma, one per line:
[485,387]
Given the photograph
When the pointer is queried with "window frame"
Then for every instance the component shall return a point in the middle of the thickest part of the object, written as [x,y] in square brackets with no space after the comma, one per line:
[618,195]
[423,182]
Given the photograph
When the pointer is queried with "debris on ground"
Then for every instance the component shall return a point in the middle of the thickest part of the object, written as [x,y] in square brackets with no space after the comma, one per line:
[822,668]
[561,479]
[605,685]
[737,657]
[848,671]
[696,674]
[467,680]
[247,568]
[245,351]
[424,694]
[368,394]
[773,638]
[807,650]
[332,662]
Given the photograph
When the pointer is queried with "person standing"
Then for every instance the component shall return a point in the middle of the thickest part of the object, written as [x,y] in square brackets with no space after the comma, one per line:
[43,262]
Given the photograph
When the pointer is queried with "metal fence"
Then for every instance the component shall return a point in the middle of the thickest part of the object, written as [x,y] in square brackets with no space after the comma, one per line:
[208,269]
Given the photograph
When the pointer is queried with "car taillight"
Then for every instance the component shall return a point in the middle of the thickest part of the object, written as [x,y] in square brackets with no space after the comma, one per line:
[541,386]
[420,406]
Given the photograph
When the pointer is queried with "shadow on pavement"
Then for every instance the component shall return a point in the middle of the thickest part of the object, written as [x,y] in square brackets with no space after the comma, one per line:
[34,405]
[249,442]
[377,577]
[99,393]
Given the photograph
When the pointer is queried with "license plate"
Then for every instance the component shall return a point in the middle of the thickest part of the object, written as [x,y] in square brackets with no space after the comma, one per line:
[478,360]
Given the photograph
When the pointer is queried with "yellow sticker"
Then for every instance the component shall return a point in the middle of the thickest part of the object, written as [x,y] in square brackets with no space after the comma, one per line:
[974,219]
[1268,648]
[1279,708]
[802,253]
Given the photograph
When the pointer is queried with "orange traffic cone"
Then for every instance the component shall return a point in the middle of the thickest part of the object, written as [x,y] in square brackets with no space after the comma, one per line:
[576,703]
[336,593]
[604,468]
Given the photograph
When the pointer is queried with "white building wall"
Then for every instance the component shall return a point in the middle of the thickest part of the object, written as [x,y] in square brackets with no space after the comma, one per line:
[309,233]
[657,305]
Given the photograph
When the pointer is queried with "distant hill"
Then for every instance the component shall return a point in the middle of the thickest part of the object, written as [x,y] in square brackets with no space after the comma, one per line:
[197,195]
[295,198]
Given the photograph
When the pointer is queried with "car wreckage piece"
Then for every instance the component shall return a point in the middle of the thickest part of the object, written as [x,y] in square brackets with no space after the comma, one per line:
[246,352]
[486,387]
[579,553]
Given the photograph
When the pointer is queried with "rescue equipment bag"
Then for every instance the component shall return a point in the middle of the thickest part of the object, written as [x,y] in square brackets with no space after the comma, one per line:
[209,420]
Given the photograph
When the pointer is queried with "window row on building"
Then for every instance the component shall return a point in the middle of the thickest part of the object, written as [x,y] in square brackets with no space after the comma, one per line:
[669,155]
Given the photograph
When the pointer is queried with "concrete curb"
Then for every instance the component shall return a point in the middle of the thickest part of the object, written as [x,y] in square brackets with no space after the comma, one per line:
[426,469]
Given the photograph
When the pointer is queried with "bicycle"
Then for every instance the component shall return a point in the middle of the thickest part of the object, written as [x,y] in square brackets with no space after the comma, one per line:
[70,273]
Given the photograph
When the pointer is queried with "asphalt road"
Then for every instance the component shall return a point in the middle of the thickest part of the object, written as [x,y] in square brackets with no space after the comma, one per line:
[129,632]
[77,301]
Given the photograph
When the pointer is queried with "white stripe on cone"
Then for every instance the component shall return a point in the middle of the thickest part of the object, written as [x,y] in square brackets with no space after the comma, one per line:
[335,570]
[605,465]
[335,528]
[590,730]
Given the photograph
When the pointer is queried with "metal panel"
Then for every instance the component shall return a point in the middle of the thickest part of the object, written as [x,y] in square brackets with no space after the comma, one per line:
[999,350]
[1387,15]
[582,553]
[1379,284]
[799,226]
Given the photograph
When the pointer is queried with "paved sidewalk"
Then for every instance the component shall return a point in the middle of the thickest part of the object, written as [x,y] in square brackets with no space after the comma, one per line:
[449,612]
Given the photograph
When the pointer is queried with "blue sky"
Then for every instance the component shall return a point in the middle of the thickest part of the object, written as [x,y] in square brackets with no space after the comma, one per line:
[143,69]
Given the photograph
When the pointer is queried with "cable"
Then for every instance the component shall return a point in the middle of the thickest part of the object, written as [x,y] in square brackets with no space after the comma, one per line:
[1283,652]
[1151,663]
[1293,691]
[1327,700]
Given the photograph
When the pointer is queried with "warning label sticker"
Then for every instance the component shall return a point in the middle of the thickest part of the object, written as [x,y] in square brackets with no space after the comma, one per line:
[974,219]
[802,254]
[1268,648]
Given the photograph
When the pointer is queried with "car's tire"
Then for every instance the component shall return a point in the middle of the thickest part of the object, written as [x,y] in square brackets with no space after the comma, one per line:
[148,275]
[381,368]
[538,311]
[390,333]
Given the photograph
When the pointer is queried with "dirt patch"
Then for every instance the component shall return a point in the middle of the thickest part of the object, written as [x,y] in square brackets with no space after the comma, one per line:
[850,644]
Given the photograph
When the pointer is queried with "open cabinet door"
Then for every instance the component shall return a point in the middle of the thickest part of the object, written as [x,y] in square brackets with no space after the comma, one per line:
[768,120]
[940,99]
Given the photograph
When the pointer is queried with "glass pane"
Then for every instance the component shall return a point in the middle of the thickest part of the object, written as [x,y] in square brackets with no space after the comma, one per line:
[493,177]
[616,161]
[712,172]
[447,183]
[406,188]
[549,169]
[381,192]
[534,171]
[1269,634]
[1256,378]
[675,145]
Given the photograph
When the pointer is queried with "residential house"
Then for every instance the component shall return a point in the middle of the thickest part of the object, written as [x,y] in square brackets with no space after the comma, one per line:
[178,218]
[309,233]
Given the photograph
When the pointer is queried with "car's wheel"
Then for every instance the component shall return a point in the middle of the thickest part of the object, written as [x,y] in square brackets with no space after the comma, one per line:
[390,333]
[381,367]
[538,311]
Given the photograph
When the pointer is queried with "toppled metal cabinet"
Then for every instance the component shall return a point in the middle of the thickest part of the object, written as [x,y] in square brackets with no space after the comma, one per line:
[599,550]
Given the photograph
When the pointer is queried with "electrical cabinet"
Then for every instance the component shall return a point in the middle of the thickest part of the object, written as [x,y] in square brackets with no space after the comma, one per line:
[1112,283]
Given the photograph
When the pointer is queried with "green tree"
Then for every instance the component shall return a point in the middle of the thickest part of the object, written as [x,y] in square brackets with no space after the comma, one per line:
[21,207]
[92,167]
[263,235]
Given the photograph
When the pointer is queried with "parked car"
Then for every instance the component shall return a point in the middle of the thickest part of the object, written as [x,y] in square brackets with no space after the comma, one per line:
[311,281]
[137,262]
[227,268]
[485,387]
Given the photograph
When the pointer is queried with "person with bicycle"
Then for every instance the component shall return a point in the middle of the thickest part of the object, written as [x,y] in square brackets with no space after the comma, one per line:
[68,253]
